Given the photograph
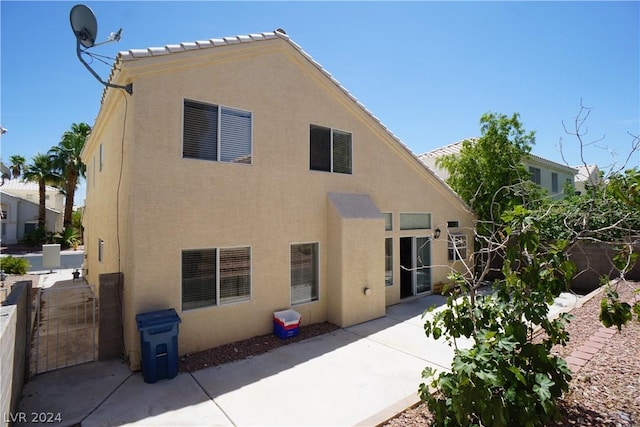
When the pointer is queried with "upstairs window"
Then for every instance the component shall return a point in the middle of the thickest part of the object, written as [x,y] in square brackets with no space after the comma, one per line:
[554,182]
[100,250]
[536,175]
[329,150]
[212,132]
[101,157]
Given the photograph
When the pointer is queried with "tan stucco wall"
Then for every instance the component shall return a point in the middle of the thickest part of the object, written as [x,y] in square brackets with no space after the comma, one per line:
[168,203]
[356,246]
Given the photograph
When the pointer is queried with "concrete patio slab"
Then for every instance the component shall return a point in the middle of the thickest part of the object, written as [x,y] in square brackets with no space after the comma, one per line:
[72,392]
[335,379]
[176,402]
[360,375]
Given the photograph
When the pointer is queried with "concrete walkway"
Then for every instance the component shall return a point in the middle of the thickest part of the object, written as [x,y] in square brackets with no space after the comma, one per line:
[361,375]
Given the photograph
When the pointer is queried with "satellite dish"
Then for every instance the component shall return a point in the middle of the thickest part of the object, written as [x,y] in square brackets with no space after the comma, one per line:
[84,25]
[85,28]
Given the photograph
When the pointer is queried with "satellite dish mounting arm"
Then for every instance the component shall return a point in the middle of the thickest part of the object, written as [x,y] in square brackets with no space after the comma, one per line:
[128,88]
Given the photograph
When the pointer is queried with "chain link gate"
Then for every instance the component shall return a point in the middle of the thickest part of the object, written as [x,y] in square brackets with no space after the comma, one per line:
[65,327]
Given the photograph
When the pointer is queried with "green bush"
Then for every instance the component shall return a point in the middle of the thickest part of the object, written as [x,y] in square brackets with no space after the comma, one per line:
[504,378]
[68,237]
[11,265]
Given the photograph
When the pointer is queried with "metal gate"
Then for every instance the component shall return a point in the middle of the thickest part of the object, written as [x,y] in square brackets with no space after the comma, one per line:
[65,327]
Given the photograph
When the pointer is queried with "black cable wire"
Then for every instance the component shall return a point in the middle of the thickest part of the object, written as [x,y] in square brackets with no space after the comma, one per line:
[125,354]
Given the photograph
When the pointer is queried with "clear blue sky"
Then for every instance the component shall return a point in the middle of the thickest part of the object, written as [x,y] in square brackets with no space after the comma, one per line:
[427,70]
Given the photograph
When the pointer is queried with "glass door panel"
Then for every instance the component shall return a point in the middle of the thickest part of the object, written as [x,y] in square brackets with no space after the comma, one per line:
[423,264]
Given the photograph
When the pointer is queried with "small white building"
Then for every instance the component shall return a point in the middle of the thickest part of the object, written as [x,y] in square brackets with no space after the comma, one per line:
[19,205]
[588,175]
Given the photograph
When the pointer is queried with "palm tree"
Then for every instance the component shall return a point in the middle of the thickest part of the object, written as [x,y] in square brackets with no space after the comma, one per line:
[17,165]
[67,161]
[43,172]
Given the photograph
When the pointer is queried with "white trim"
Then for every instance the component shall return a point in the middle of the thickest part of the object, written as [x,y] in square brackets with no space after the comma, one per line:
[414,268]
[415,213]
[219,130]
[218,302]
[456,249]
[318,273]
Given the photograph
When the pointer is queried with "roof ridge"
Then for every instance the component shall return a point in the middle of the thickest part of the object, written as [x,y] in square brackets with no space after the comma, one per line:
[131,54]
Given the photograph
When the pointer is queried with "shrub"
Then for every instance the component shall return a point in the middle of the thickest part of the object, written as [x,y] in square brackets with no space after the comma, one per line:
[11,265]
[39,236]
[68,237]
[504,378]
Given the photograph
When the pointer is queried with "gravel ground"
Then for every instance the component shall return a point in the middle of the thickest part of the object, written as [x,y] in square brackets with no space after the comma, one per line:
[605,392]
[249,347]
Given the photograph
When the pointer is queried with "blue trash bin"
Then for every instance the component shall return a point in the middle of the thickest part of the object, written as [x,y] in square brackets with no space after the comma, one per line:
[159,344]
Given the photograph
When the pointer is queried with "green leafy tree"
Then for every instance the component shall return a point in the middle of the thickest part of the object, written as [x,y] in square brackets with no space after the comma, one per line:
[504,378]
[17,165]
[41,171]
[67,161]
[500,375]
[488,172]
[76,222]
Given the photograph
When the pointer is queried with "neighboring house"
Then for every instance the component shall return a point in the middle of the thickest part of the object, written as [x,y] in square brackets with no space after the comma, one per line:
[549,175]
[19,202]
[588,175]
[240,179]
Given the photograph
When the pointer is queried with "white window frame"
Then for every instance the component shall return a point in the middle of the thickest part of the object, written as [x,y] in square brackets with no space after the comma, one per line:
[457,252]
[219,139]
[388,221]
[388,261]
[219,300]
[100,250]
[317,274]
[406,215]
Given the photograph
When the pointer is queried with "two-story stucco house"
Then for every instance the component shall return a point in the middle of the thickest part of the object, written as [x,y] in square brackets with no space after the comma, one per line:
[19,206]
[240,178]
[548,174]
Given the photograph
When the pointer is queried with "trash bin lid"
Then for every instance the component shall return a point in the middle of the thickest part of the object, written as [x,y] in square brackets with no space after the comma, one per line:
[155,318]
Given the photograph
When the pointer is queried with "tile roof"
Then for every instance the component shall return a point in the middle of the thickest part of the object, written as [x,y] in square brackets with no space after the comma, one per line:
[8,194]
[133,54]
[128,55]
[457,146]
[443,151]
[19,185]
